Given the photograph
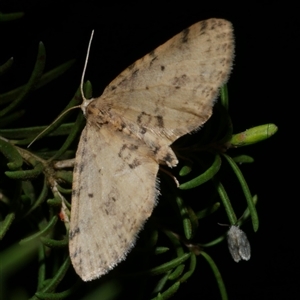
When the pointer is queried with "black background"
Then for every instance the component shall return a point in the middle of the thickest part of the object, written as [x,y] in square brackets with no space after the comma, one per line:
[263,89]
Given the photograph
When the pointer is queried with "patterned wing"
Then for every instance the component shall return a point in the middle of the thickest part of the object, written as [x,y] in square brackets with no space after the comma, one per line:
[171,91]
[114,192]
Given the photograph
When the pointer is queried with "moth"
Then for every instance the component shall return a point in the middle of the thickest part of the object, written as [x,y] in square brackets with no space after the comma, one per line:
[129,131]
[238,244]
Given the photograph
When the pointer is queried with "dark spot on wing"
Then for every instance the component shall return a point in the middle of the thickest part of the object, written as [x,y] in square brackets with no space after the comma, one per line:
[152,60]
[123,81]
[76,252]
[76,192]
[100,122]
[91,195]
[134,164]
[121,126]
[135,73]
[168,158]
[185,34]
[132,146]
[143,130]
[213,26]
[112,197]
[156,149]
[73,233]
[133,225]
[162,68]
[203,25]
[113,87]
[81,167]
[160,121]
[180,81]
[153,55]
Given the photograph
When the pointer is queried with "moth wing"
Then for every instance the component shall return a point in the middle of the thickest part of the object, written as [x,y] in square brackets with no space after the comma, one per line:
[171,91]
[234,250]
[244,246]
[114,181]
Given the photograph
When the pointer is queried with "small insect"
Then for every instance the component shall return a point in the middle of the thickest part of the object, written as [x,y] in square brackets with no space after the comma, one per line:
[238,244]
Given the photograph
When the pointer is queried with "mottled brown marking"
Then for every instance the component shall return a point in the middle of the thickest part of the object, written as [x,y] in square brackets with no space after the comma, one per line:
[152,60]
[140,118]
[113,195]
[156,149]
[135,73]
[143,130]
[126,150]
[77,252]
[123,82]
[134,164]
[122,126]
[74,232]
[133,225]
[180,81]
[81,167]
[203,25]
[160,121]
[185,35]
[168,158]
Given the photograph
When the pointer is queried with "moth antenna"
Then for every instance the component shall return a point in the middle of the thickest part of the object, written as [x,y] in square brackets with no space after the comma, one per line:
[85,101]
[85,65]
[221,224]
[238,223]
